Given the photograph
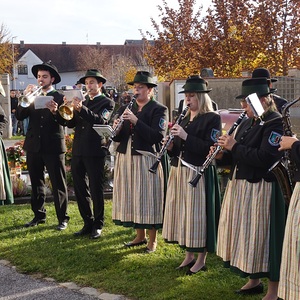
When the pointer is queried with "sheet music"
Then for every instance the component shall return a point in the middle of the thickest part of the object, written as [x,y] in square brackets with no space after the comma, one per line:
[41,101]
[71,94]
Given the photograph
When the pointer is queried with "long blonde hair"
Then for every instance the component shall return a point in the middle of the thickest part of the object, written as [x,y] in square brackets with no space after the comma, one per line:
[204,103]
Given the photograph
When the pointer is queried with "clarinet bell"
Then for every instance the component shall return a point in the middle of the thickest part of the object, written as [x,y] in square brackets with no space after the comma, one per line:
[195,180]
[153,169]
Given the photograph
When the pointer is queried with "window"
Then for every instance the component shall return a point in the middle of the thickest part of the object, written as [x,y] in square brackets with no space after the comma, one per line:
[22,70]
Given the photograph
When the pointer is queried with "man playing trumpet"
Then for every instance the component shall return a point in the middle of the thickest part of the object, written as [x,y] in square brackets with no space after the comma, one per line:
[45,147]
[88,156]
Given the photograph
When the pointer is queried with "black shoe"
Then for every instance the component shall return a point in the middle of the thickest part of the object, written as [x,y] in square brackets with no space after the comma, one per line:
[259,289]
[189,265]
[35,222]
[84,230]
[96,233]
[62,226]
[189,272]
[131,244]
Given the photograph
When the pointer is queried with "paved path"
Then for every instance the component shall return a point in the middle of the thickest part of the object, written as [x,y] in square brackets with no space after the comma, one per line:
[16,286]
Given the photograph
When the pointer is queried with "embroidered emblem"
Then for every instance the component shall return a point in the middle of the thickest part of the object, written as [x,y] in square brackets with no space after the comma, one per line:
[162,123]
[274,138]
[105,114]
[215,134]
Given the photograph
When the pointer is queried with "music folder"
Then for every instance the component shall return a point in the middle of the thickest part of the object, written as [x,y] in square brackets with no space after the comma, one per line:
[104,130]
[41,101]
[255,105]
[75,93]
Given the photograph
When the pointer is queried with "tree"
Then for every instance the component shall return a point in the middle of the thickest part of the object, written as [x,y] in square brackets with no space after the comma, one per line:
[6,54]
[225,35]
[173,54]
[94,58]
[120,66]
[234,35]
[279,23]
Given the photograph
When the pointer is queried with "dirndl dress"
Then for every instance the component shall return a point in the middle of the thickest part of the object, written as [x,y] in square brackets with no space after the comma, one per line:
[138,195]
[251,228]
[192,213]
[289,284]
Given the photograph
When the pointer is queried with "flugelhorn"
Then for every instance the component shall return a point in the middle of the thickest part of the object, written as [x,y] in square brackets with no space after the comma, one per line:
[66,110]
[164,148]
[29,98]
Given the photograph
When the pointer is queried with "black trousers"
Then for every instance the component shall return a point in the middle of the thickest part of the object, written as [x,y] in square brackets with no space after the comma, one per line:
[55,166]
[88,178]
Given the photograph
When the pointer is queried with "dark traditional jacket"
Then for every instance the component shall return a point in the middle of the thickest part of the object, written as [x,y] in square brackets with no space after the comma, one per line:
[256,149]
[45,131]
[148,131]
[87,142]
[295,156]
[202,132]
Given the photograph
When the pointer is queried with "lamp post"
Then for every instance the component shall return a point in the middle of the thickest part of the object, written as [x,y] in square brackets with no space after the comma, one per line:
[13,63]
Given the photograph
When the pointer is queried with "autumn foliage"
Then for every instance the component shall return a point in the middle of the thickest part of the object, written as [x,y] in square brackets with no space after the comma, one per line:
[230,37]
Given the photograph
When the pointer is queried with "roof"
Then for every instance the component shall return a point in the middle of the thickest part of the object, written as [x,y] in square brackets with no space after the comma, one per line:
[64,56]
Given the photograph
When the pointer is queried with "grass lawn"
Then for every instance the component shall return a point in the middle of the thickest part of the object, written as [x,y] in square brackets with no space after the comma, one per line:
[104,263]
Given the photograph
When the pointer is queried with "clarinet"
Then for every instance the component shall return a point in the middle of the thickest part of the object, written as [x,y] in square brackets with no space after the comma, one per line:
[284,168]
[161,153]
[120,124]
[211,157]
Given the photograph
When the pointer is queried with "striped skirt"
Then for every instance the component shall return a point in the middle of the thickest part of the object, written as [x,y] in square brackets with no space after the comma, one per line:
[289,284]
[189,220]
[138,195]
[244,226]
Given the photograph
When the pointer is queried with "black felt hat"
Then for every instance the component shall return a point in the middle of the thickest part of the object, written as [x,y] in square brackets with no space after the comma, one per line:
[195,84]
[92,73]
[47,66]
[262,72]
[259,86]
[143,77]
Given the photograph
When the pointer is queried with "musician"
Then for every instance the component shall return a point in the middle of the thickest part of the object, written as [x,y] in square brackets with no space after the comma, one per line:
[289,284]
[263,72]
[138,195]
[45,147]
[88,157]
[191,213]
[253,211]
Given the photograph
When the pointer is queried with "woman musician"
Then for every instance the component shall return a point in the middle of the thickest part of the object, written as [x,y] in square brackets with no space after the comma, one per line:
[252,216]
[138,195]
[289,284]
[191,214]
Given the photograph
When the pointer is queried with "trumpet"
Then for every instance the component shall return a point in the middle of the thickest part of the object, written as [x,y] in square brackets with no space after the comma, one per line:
[153,169]
[211,157]
[29,98]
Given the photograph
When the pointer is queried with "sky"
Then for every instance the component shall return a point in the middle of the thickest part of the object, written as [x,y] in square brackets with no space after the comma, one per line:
[109,22]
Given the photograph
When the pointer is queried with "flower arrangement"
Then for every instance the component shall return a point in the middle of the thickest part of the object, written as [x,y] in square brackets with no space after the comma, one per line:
[69,143]
[16,156]
[223,171]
